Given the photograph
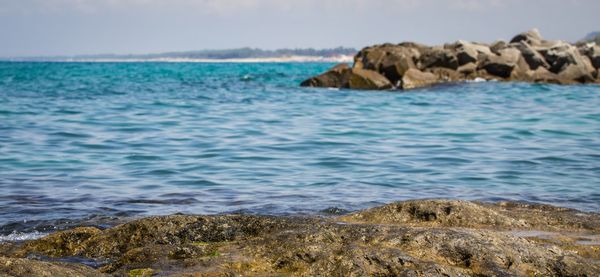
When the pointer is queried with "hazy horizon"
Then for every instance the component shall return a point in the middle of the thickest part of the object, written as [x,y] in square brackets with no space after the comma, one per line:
[90,27]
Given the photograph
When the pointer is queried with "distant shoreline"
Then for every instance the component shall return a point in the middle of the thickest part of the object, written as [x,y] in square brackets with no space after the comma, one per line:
[293,59]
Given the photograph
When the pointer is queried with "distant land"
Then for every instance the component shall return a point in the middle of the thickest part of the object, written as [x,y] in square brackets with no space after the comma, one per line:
[247,54]
[592,37]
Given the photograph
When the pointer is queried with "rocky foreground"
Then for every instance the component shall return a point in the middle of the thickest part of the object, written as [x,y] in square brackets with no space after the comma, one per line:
[413,238]
[526,58]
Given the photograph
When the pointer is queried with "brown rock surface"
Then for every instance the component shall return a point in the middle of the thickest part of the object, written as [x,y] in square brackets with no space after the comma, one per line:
[368,79]
[336,77]
[32,268]
[411,238]
[417,79]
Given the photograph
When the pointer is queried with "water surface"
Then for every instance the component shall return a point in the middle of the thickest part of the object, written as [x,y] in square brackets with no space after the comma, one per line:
[85,141]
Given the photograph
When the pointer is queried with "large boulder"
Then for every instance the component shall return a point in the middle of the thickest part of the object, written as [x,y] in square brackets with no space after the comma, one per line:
[497,46]
[468,52]
[398,61]
[467,69]
[569,64]
[533,37]
[389,60]
[438,57]
[503,64]
[576,74]
[342,76]
[557,54]
[414,78]
[368,80]
[592,51]
[336,77]
[370,57]
[543,75]
[533,58]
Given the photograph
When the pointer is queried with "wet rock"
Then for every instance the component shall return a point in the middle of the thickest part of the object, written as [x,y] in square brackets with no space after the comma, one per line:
[336,77]
[341,76]
[67,243]
[26,267]
[368,80]
[410,238]
[447,213]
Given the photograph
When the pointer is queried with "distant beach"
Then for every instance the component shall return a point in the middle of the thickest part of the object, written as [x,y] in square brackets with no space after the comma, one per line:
[285,59]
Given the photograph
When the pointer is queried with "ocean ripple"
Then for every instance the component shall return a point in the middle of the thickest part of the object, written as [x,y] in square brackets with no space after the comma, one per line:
[112,140]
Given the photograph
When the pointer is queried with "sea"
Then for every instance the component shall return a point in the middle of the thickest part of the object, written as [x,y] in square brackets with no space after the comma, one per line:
[96,143]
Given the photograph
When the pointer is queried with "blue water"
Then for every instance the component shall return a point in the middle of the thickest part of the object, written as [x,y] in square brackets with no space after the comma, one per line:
[86,140]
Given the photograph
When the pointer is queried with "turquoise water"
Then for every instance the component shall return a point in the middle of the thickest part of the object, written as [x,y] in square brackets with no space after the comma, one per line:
[80,141]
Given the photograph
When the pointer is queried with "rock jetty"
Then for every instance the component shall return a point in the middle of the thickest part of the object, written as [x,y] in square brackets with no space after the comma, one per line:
[411,238]
[528,57]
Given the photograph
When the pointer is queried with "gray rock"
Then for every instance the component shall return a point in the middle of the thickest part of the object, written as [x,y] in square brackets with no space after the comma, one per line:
[414,78]
[532,37]
[533,58]
[438,57]
[562,58]
[575,74]
[502,65]
[468,52]
[592,51]
[467,69]
[497,46]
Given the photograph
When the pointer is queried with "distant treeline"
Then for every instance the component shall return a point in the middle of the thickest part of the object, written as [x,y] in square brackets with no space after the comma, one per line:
[239,53]
[247,52]
[592,37]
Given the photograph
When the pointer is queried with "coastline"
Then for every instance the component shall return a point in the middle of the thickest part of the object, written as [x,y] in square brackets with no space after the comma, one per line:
[410,238]
[284,59]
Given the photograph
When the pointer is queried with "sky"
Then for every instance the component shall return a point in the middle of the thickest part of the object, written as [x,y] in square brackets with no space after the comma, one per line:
[77,27]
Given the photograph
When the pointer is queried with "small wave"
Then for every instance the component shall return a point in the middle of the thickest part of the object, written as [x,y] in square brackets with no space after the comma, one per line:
[477,80]
[70,135]
[15,236]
